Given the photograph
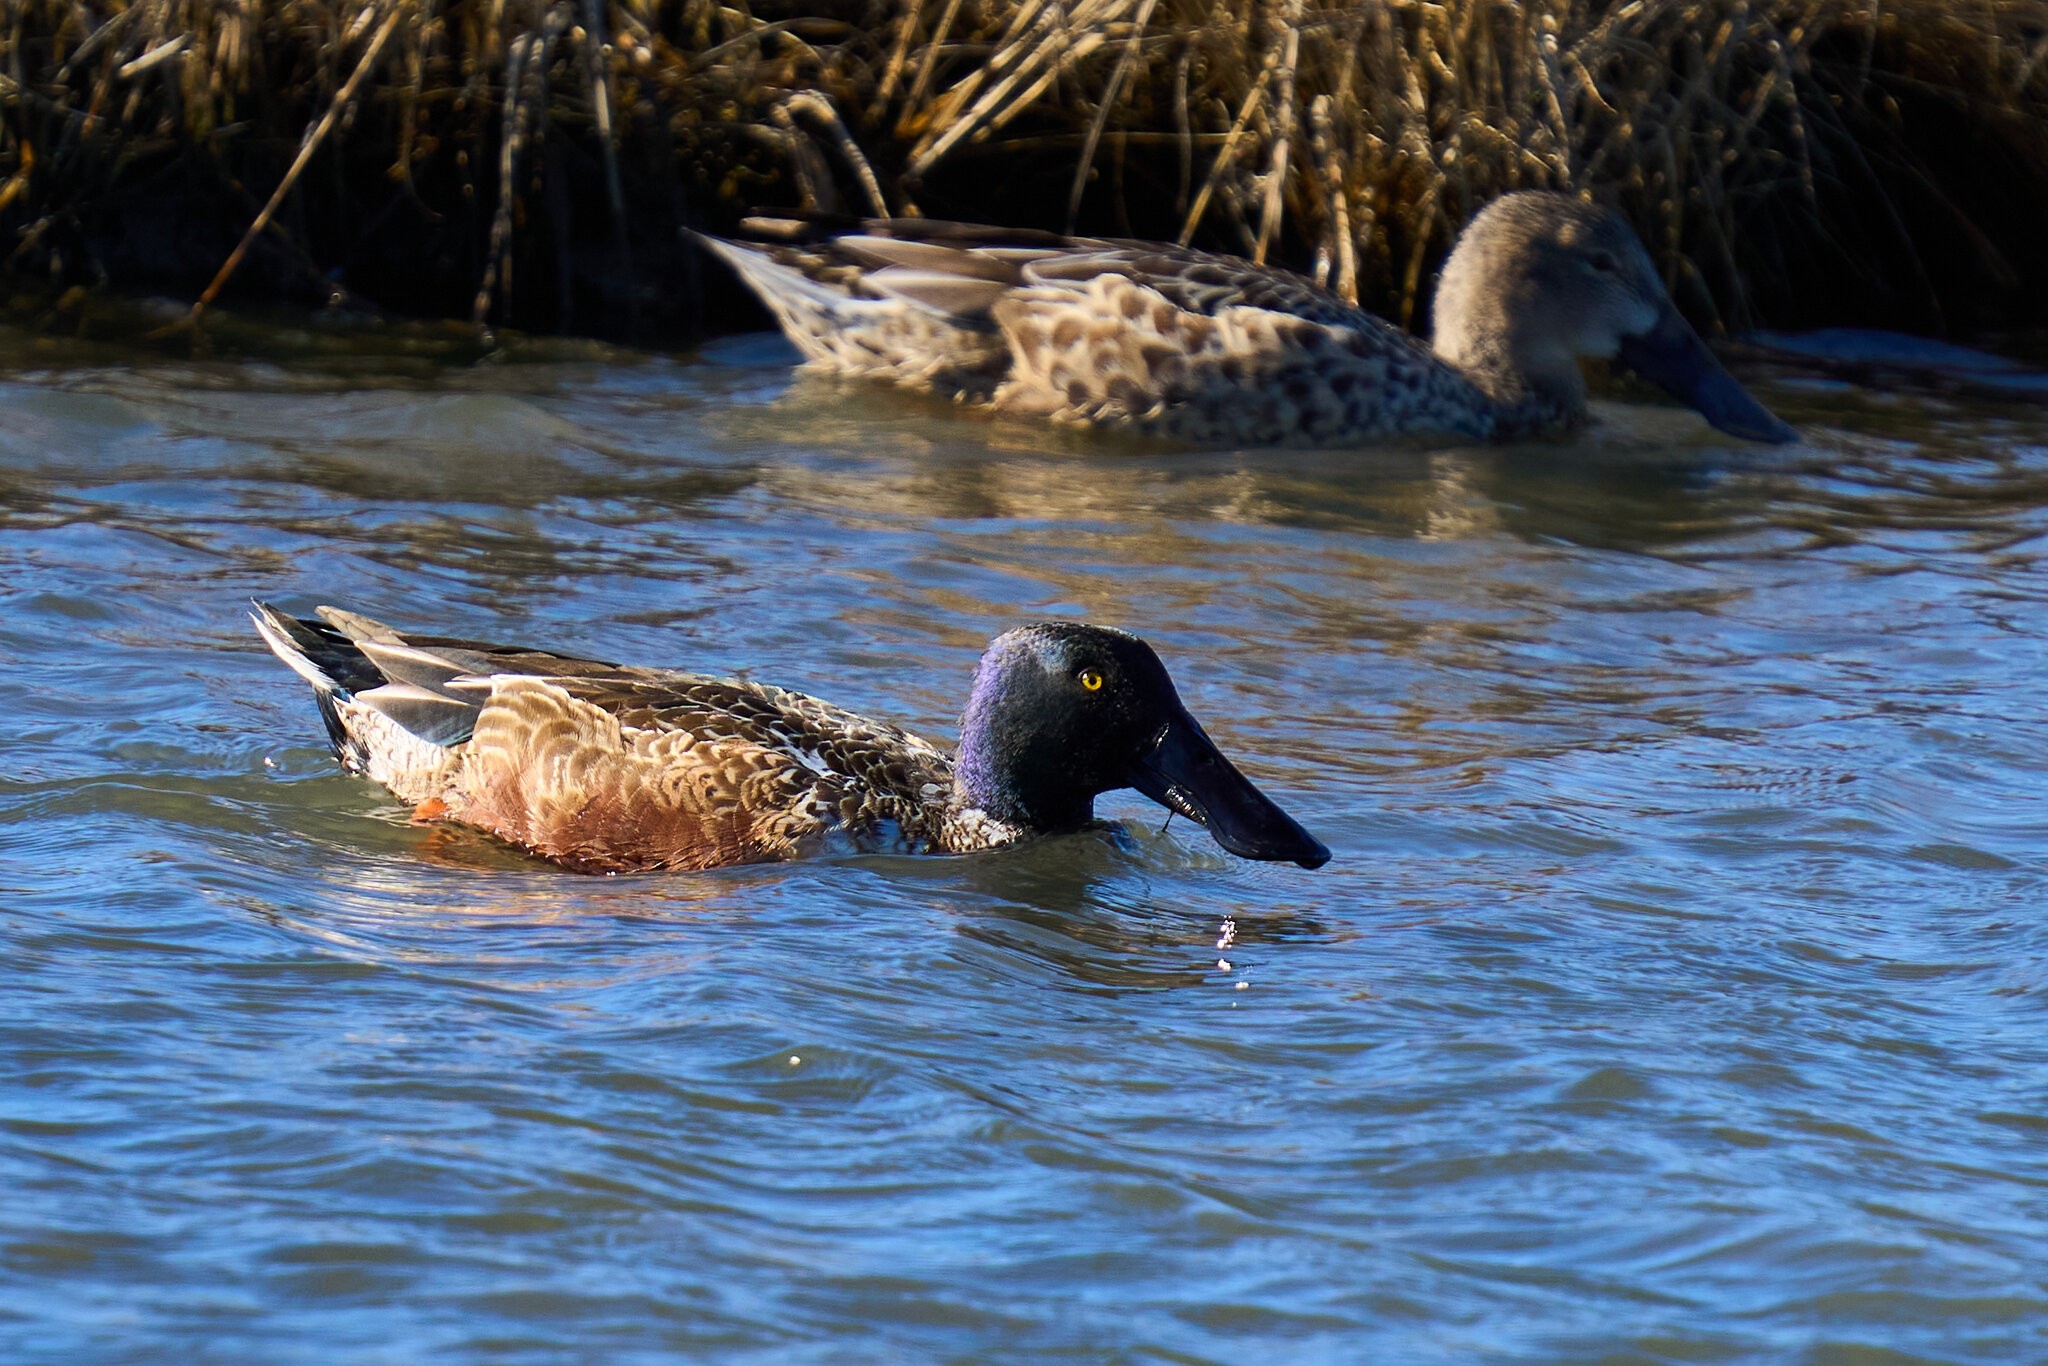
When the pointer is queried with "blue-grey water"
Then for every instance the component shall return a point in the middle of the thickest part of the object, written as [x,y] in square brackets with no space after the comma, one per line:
[1678,991]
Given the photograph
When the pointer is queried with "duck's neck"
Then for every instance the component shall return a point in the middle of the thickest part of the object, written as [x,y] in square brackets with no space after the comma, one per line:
[1531,391]
[1490,324]
[997,774]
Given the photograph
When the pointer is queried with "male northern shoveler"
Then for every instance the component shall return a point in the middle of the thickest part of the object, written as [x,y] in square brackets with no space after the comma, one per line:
[604,768]
[1160,340]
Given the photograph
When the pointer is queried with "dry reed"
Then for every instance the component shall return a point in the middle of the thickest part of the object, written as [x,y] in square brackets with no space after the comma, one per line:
[530,160]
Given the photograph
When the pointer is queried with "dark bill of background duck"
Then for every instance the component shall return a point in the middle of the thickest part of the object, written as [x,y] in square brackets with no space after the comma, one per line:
[1672,356]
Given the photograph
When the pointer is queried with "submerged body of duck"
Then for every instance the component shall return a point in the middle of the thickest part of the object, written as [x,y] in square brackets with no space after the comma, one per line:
[606,768]
[1160,340]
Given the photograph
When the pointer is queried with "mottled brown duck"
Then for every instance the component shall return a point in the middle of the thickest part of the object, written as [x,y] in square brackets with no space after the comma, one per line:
[1210,350]
[601,767]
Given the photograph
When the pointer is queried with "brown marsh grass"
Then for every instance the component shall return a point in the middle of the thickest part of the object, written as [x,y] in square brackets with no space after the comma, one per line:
[530,161]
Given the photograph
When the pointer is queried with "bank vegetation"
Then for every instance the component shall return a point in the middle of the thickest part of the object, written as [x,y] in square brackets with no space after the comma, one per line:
[529,162]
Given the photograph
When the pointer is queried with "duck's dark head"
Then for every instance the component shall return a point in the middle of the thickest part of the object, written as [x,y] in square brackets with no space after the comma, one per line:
[1062,712]
[1539,280]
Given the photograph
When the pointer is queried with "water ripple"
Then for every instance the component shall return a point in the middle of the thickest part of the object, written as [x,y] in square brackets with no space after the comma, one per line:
[1674,994]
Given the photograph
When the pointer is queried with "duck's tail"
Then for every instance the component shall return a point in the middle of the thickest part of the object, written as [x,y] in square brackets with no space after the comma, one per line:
[914,313]
[323,657]
[366,681]
[801,302]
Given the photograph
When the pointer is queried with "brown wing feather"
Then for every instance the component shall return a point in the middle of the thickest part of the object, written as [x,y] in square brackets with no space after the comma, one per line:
[642,769]
[563,777]
[1199,282]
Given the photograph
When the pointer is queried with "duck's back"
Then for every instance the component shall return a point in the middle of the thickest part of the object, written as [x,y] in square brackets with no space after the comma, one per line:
[1133,336]
[605,768]
[647,769]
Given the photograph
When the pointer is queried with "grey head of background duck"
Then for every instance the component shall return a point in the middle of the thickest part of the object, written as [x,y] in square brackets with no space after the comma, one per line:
[1539,281]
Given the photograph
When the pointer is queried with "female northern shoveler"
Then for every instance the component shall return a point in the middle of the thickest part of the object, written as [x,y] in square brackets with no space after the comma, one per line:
[604,768]
[1159,340]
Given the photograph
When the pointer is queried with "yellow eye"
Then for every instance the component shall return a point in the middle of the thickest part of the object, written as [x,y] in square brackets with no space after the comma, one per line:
[1091,680]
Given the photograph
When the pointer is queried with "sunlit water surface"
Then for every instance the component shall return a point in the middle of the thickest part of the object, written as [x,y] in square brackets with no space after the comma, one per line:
[1676,992]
